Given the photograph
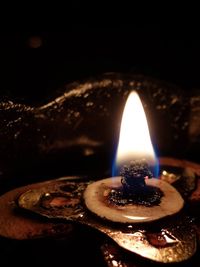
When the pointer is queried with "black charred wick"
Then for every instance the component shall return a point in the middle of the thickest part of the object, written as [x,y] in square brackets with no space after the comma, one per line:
[134,189]
[134,174]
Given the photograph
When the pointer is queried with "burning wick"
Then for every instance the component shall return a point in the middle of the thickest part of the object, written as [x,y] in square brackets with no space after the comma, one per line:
[134,188]
[134,196]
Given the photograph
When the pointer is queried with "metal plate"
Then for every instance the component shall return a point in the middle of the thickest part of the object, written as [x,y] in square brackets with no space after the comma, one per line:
[62,199]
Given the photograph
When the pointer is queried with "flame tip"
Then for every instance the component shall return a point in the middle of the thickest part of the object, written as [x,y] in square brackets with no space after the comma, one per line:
[134,140]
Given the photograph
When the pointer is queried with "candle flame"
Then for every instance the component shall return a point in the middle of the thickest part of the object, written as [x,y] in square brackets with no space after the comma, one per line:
[134,140]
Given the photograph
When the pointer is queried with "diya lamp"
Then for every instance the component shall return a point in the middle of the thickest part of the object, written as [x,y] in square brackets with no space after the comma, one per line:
[135,196]
[124,207]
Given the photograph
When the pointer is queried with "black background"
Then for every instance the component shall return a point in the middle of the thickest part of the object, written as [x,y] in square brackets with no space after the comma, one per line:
[33,71]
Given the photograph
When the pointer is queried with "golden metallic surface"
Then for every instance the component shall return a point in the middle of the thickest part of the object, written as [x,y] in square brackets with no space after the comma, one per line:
[172,240]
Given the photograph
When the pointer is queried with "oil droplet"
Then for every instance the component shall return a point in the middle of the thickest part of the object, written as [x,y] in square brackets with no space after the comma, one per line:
[88,152]
[114,263]
[16,135]
[76,114]
[89,104]
[170,258]
[174,100]
[86,95]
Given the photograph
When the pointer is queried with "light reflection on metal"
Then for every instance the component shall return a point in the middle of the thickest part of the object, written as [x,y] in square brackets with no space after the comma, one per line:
[66,196]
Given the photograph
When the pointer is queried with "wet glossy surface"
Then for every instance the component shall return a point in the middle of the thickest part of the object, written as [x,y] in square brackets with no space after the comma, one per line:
[178,238]
[96,198]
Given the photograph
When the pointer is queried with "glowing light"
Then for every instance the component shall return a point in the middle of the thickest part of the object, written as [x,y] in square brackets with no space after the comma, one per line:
[135,217]
[134,141]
